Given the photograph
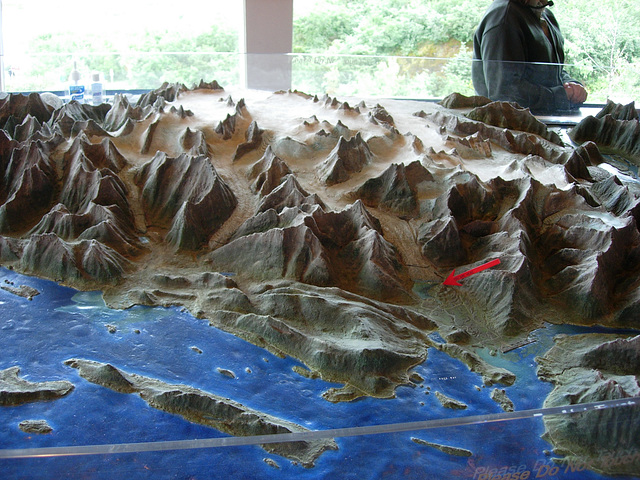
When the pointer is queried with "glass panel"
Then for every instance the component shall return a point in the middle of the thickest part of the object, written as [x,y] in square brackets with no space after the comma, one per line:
[485,449]
[125,71]
[601,47]
[382,76]
[131,45]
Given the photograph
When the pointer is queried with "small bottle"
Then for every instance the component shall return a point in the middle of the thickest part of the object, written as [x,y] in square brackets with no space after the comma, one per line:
[97,92]
[76,92]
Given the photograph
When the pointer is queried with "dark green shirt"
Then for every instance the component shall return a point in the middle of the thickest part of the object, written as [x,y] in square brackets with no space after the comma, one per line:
[515,61]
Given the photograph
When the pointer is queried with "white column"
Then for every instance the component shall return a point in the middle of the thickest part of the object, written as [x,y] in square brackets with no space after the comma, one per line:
[266,38]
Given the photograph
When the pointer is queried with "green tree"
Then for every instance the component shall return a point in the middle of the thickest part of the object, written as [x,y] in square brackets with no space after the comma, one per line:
[381,28]
[316,32]
[139,61]
[602,46]
[171,57]
[54,55]
[385,27]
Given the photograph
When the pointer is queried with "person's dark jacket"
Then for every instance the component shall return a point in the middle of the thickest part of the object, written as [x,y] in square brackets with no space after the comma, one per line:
[514,60]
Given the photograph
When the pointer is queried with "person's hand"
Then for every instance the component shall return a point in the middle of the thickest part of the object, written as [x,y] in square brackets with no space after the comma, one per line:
[576,93]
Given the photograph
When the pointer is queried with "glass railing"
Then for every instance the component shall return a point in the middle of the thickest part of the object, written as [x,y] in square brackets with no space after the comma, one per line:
[350,75]
[486,447]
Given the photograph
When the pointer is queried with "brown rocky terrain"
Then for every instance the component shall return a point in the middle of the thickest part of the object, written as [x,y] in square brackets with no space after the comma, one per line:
[324,231]
[593,368]
[205,408]
[358,203]
[16,391]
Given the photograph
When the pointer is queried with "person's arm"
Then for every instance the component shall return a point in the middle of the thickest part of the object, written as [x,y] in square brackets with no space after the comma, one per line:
[575,91]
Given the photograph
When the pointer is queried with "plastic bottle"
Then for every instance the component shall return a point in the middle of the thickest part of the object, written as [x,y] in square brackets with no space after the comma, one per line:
[76,91]
[97,92]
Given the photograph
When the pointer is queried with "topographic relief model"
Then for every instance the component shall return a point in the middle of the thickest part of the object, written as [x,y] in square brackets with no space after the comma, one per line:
[323,230]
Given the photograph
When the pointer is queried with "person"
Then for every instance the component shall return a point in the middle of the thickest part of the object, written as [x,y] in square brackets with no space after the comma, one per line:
[518,52]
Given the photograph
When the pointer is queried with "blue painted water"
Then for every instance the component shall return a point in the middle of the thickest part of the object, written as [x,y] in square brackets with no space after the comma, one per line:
[61,323]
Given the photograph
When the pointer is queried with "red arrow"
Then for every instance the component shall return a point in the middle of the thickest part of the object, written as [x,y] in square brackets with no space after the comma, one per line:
[453,279]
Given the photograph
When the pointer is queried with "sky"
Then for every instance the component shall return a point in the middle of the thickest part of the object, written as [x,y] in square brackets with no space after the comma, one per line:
[23,20]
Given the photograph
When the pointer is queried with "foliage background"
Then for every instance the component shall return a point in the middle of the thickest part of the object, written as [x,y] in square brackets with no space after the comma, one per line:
[401,48]
[601,42]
